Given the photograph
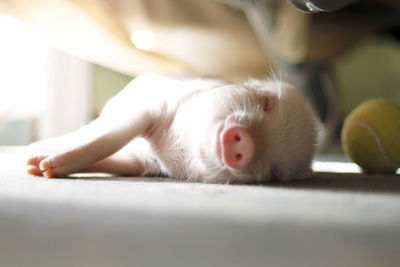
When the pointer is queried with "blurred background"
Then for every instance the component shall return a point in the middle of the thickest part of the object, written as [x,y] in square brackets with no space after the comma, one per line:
[60,61]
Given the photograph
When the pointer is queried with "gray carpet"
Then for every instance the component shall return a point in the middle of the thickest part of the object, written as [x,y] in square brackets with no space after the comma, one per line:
[331,219]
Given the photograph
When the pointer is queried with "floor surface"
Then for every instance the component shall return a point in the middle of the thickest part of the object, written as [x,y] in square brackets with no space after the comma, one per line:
[331,219]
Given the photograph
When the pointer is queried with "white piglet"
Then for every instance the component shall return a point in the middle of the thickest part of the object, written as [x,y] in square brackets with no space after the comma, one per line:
[192,128]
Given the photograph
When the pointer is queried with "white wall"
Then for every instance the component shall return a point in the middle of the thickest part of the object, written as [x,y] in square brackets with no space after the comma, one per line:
[67,100]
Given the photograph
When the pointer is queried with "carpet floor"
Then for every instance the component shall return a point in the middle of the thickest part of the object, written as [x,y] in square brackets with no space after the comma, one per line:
[337,217]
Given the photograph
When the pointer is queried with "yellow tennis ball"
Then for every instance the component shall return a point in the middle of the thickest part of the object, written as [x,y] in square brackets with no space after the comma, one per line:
[371,136]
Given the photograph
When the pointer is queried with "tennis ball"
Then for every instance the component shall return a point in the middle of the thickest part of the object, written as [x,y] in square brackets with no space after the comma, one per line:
[371,136]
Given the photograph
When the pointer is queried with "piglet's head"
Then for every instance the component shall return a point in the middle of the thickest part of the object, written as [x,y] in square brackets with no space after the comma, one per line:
[270,136]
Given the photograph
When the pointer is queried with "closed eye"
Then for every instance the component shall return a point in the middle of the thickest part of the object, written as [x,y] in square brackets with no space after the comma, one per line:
[265,103]
[275,174]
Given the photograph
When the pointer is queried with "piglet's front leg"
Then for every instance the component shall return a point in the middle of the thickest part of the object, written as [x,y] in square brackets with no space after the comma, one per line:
[97,141]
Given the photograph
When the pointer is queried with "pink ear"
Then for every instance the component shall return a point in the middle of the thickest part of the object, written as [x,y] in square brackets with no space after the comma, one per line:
[269,102]
[237,147]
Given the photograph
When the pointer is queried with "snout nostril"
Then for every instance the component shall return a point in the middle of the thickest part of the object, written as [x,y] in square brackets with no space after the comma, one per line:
[237,137]
[238,156]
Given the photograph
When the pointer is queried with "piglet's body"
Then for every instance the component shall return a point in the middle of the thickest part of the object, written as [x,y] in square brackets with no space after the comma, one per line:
[192,128]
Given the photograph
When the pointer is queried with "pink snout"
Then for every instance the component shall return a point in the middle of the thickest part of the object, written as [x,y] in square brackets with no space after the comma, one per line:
[237,147]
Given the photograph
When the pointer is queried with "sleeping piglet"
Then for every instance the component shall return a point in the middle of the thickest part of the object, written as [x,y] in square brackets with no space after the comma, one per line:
[192,128]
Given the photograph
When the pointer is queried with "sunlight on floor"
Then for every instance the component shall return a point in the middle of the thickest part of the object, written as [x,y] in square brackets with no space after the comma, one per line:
[336,163]
[335,166]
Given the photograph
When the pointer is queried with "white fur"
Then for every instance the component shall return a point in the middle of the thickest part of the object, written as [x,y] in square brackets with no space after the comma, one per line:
[285,136]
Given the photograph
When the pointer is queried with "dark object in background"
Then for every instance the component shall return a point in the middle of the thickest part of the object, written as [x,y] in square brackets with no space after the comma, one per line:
[321,5]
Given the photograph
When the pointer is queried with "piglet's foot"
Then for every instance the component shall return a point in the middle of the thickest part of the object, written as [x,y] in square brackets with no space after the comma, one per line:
[41,166]
[53,166]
